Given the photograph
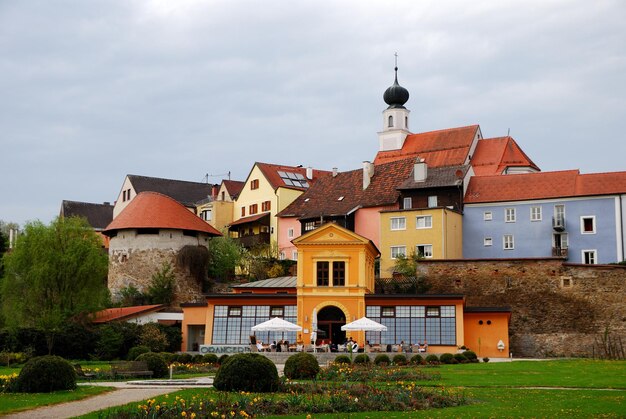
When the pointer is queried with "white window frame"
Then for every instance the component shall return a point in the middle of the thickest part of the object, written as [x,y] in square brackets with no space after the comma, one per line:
[592,252]
[401,221]
[427,255]
[294,255]
[487,215]
[281,256]
[582,224]
[290,233]
[510,215]
[428,221]
[407,203]
[488,241]
[396,250]
[536,213]
[432,201]
[508,244]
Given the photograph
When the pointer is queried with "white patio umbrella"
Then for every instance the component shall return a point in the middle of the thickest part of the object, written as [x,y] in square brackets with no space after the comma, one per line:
[364,324]
[276,325]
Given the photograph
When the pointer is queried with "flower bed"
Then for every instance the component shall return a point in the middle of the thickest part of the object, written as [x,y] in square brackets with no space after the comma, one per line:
[373,373]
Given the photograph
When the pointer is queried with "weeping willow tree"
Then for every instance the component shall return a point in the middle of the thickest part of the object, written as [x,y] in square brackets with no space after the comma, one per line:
[55,274]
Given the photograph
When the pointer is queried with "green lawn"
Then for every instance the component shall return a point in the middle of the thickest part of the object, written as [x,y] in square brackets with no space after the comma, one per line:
[14,402]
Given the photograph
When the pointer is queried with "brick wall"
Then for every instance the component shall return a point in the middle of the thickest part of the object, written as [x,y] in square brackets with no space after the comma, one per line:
[558,309]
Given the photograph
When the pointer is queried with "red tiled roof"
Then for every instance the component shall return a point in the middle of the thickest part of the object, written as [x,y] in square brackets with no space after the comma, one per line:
[250,219]
[233,187]
[270,171]
[447,147]
[122,313]
[332,196]
[154,210]
[492,156]
[543,185]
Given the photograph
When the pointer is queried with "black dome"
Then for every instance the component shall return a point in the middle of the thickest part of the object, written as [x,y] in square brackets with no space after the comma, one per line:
[396,96]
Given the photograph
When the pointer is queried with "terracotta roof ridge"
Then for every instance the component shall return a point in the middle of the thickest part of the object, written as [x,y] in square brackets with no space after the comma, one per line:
[446,129]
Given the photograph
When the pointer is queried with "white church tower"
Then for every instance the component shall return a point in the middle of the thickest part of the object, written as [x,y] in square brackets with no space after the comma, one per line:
[395,117]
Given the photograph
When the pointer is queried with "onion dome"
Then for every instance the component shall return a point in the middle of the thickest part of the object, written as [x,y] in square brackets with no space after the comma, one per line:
[396,96]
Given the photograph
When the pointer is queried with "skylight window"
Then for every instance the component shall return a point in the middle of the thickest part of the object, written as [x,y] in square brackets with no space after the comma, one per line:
[293,179]
[340,198]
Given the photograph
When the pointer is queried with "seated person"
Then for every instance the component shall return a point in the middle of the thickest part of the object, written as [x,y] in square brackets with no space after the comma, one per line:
[259,346]
[273,346]
[420,347]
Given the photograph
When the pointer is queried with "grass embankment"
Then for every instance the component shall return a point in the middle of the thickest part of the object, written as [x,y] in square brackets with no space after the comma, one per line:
[15,402]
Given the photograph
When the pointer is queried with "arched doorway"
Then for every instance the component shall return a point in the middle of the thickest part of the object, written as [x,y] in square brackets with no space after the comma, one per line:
[329,320]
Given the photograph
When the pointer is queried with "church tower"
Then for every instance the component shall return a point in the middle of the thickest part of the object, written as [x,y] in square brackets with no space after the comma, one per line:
[395,117]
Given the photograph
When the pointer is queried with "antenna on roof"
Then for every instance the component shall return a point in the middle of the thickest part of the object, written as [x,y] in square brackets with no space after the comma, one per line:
[508,132]
[207,176]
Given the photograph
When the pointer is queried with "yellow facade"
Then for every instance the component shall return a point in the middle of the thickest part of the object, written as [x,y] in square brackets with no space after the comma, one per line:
[436,233]
[221,214]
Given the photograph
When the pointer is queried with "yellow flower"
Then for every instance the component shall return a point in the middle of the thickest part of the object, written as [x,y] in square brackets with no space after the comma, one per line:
[183,413]
[193,415]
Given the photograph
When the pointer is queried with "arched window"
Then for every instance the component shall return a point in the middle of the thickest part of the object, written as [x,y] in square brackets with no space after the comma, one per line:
[390,124]
[406,122]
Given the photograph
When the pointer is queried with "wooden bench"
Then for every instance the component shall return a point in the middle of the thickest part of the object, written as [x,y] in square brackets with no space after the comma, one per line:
[130,369]
[82,374]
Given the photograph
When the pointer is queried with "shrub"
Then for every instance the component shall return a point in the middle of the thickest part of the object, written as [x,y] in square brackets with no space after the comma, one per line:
[46,374]
[485,359]
[153,337]
[453,361]
[168,357]
[471,356]
[382,359]
[416,359]
[362,359]
[301,366]
[400,359]
[10,358]
[184,358]
[343,359]
[432,359]
[210,359]
[247,372]
[461,358]
[75,341]
[446,358]
[156,364]
[135,351]
[198,359]
[222,359]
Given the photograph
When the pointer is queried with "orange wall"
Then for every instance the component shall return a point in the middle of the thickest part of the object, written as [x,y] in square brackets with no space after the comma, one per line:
[483,339]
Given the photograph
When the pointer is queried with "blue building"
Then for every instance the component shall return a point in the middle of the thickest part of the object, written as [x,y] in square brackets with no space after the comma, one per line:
[561,214]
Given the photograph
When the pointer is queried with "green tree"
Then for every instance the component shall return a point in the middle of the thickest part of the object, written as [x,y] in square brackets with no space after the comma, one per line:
[225,255]
[161,288]
[55,274]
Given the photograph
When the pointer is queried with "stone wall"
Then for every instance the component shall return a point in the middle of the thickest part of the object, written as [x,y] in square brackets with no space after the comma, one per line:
[558,309]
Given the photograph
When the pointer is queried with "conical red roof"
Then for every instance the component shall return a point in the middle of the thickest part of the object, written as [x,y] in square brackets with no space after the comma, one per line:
[155,210]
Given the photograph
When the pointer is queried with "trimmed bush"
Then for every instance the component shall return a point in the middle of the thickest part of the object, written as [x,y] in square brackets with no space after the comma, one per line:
[382,359]
[461,358]
[156,364]
[343,359]
[416,359]
[301,366]
[247,372]
[198,359]
[471,356]
[184,358]
[432,359]
[222,359]
[362,359]
[46,374]
[485,359]
[453,361]
[135,351]
[399,360]
[446,358]
[210,359]
[168,357]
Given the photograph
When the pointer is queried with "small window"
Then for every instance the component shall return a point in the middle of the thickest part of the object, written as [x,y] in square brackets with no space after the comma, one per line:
[123,196]
[424,221]
[398,223]
[266,206]
[207,215]
[535,213]
[339,274]
[424,250]
[398,251]
[281,256]
[488,241]
[508,242]
[432,312]
[406,122]
[254,184]
[390,121]
[432,201]
[277,311]
[588,224]
[590,257]
[388,312]
[509,215]
[254,208]
[294,255]
[243,211]
[487,216]
[234,311]
[223,196]
[290,233]
[309,225]
[407,203]
[322,274]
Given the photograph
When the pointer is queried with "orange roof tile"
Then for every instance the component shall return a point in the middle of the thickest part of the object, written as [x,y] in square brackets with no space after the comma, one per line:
[122,313]
[543,185]
[271,173]
[494,155]
[155,210]
[447,147]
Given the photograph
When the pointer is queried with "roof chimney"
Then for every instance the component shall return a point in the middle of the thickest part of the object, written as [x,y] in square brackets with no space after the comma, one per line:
[309,172]
[420,170]
[214,190]
[334,171]
[368,172]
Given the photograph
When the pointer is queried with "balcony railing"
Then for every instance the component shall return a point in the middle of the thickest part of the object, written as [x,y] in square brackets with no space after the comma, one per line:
[253,240]
[560,252]
[558,223]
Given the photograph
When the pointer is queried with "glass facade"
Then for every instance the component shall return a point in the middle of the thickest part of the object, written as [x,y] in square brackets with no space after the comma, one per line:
[413,324]
[232,324]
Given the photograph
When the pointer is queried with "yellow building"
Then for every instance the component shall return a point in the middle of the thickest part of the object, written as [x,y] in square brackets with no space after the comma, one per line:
[430,233]
[217,209]
[335,285]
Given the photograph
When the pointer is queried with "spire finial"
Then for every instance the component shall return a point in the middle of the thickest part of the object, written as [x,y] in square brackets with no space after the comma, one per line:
[396,55]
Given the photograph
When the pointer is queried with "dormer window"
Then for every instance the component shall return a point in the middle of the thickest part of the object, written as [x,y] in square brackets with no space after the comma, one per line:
[390,123]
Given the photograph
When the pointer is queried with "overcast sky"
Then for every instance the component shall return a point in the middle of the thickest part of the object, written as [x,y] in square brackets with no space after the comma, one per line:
[93,90]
